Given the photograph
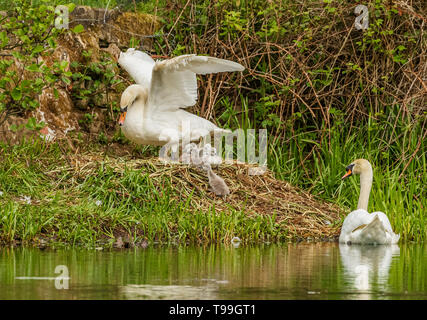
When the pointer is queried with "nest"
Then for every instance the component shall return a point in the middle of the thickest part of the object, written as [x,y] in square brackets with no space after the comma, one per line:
[297,211]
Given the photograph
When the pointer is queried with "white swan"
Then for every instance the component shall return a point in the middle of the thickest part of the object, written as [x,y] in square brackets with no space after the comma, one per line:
[151,111]
[360,226]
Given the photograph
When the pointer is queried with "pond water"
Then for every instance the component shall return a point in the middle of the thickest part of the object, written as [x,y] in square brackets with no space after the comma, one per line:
[286,271]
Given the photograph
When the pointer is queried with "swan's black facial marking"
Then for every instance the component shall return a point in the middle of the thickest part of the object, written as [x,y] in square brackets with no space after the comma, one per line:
[349,171]
[349,167]
[122,118]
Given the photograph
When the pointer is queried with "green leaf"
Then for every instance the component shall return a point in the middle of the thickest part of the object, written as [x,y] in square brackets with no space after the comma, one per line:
[51,43]
[63,65]
[31,123]
[37,49]
[17,55]
[13,127]
[38,82]
[66,80]
[33,68]
[34,104]
[24,38]
[71,7]
[78,28]
[3,39]
[25,84]
[16,94]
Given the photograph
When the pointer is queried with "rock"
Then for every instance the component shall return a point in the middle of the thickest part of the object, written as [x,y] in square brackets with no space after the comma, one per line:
[130,25]
[113,26]
[113,50]
[57,111]
[88,16]
[143,244]
[119,243]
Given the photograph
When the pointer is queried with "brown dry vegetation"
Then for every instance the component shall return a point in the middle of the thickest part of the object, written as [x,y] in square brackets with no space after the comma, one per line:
[309,56]
[303,215]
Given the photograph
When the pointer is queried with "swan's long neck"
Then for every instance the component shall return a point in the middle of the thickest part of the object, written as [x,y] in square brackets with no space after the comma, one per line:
[136,112]
[366,177]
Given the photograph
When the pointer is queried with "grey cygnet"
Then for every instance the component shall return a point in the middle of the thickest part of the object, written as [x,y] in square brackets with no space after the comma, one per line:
[217,184]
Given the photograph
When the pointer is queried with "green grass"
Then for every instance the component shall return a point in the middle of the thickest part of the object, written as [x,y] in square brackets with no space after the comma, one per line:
[90,209]
[314,159]
[400,173]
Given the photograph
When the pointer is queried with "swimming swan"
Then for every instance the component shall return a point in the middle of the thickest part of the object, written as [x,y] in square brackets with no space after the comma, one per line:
[360,226]
[151,111]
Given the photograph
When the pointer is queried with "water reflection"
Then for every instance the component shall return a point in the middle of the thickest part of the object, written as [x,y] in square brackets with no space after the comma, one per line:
[287,271]
[147,291]
[368,265]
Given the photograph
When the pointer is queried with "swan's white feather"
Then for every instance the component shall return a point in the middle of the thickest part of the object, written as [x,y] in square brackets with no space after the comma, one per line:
[138,64]
[362,227]
[154,113]
[174,83]
[172,90]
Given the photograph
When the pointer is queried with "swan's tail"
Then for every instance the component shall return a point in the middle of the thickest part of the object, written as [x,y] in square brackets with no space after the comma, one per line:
[395,238]
[374,232]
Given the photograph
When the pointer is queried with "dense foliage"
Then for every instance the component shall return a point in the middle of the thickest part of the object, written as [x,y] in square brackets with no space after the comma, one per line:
[27,36]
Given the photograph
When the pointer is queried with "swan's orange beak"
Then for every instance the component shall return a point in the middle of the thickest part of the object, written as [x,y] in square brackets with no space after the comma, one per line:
[122,118]
[348,174]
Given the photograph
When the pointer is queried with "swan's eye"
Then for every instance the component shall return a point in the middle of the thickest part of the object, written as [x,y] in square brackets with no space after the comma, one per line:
[349,171]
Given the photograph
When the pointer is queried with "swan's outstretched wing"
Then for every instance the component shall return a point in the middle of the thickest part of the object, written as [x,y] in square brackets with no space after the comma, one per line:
[174,83]
[138,64]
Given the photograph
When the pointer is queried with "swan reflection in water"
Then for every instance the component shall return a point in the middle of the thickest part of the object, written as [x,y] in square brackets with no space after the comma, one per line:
[367,265]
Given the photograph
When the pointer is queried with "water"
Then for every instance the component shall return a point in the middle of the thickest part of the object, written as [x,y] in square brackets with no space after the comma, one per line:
[287,271]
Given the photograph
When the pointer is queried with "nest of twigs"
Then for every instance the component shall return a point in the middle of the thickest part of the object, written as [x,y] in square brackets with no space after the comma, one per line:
[299,212]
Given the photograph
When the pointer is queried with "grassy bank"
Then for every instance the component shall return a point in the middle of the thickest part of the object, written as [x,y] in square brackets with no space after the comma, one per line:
[326,92]
[90,208]
[91,194]
[90,198]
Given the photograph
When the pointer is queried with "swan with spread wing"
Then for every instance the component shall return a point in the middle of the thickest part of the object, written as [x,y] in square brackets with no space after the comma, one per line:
[152,109]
